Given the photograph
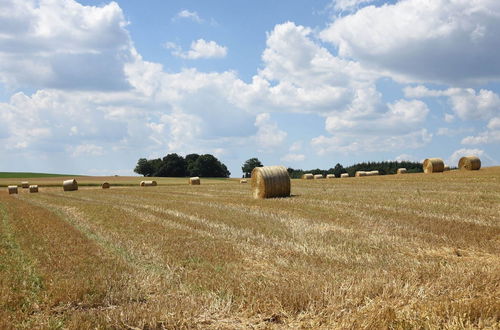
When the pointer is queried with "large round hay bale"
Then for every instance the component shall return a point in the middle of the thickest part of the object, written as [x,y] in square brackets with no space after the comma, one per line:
[270,181]
[105,185]
[433,165]
[470,163]
[330,176]
[360,173]
[70,185]
[25,184]
[195,180]
[308,176]
[148,183]
[344,175]
[318,176]
[12,190]
[401,170]
[243,181]
[33,188]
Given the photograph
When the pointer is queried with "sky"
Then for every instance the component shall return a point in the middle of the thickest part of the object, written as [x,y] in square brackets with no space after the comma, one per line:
[89,87]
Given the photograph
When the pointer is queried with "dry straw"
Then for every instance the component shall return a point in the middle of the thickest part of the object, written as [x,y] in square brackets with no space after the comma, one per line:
[470,163]
[33,188]
[360,173]
[433,165]
[148,183]
[308,176]
[70,185]
[318,176]
[25,184]
[372,173]
[243,181]
[105,185]
[195,180]
[12,190]
[344,175]
[401,170]
[330,176]
[270,181]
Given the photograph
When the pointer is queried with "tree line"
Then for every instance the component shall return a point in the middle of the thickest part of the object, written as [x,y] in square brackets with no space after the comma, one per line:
[173,165]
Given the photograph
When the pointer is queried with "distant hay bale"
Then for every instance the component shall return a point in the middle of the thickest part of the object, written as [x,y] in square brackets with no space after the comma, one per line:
[243,181]
[308,176]
[33,188]
[446,168]
[470,163]
[105,185]
[318,176]
[372,173]
[270,181]
[344,175]
[195,180]
[360,173]
[401,170]
[70,185]
[12,190]
[148,183]
[25,184]
[433,165]
[330,176]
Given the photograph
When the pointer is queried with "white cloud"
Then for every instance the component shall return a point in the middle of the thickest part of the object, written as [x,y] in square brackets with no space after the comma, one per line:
[445,131]
[452,41]
[293,158]
[449,117]
[87,150]
[489,136]
[199,49]
[63,44]
[406,157]
[190,15]
[349,5]
[269,136]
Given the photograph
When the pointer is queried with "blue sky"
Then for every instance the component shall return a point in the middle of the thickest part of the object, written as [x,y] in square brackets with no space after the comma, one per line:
[92,86]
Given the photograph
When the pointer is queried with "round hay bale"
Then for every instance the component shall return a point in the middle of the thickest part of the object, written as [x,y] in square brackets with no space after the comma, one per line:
[33,188]
[25,184]
[469,163]
[105,185]
[12,190]
[344,175]
[148,183]
[243,181]
[401,170]
[318,176]
[433,165]
[70,185]
[360,173]
[372,173]
[308,176]
[270,181]
[446,168]
[330,176]
[195,180]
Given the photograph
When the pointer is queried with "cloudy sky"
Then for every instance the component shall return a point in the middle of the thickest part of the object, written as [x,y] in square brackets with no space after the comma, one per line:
[89,87]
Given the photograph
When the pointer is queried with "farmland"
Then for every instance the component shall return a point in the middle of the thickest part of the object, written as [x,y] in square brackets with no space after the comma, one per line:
[399,251]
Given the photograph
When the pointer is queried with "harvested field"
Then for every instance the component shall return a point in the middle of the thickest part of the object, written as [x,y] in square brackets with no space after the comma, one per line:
[380,252]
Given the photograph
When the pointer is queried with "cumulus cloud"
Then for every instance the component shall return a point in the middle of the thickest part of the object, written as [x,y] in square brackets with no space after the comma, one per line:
[450,41]
[63,44]
[349,5]
[199,49]
[293,158]
[268,136]
[490,135]
[190,15]
[87,150]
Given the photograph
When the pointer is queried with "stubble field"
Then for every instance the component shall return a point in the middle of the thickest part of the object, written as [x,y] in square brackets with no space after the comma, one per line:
[408,251]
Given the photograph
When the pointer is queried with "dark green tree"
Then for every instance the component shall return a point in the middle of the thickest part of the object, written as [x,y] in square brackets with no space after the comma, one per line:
[249,165]
[191,167]
[144,167]
[173,166]
[209,166]
[338,170]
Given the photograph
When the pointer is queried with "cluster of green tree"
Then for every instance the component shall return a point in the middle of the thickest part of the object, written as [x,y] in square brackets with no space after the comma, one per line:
[173,165]
[249,165]
[387,167]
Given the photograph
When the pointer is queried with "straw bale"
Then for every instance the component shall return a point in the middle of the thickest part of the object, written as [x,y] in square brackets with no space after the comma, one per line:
[402,170]
[143,183]
[446,168]
[33,188]
[318,176]
[25,184]
[148,183]
[12,190]
[270,181]
[360,173]
[195,180]
[372,173]
[308,176]
[243,181]
[70,185]
[330,176]
[105,185]
[470,163]
[433,165]
[344,175]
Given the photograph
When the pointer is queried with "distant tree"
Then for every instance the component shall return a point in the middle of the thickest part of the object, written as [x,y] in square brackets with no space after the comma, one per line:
[191,167]
[249,165]
[144,167]
[338,170]
[209,166]
[173,166]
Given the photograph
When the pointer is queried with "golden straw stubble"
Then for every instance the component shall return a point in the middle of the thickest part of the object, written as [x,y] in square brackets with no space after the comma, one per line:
[270,181]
